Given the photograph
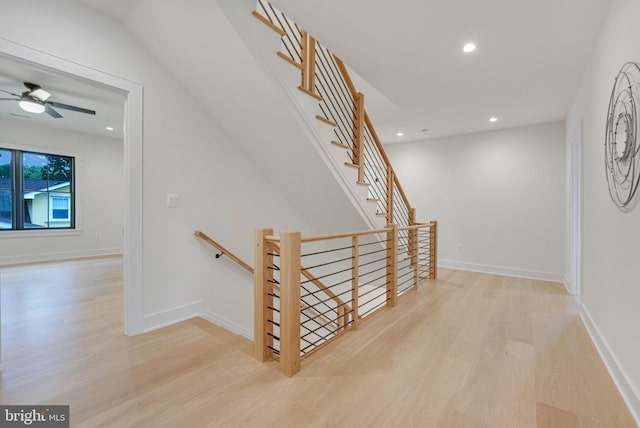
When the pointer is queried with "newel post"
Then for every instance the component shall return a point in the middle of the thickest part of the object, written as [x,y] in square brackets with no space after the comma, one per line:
[290,302]
[392,269]
[261,299]
[433,250]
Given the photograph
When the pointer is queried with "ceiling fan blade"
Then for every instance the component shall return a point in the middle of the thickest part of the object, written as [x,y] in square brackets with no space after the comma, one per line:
[72,108]
[51,112]
[8,99]
[10,93]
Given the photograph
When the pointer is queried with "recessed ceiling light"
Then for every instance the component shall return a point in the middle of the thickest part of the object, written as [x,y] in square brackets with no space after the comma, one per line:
[400,134]
[493,119]
[109,128]
[469,47]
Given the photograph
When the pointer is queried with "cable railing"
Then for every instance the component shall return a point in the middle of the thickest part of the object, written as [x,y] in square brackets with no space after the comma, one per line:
[348,278]
[318,298]
[325,76]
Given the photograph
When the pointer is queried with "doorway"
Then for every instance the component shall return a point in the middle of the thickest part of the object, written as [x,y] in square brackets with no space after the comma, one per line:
[132,136]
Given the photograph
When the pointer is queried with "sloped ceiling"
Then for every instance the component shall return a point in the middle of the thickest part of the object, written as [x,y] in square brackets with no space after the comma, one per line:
[529,58]
[526,69]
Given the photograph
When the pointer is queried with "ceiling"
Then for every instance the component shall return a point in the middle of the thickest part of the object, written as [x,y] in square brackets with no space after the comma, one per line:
[527,66]
[108,105]
[526,69]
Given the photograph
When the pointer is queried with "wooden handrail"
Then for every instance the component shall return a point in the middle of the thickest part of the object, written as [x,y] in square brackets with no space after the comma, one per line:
[226,252]
[346,76]
[369,125]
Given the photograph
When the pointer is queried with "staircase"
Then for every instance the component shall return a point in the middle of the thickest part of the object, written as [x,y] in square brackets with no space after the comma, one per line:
[350,275]
[328,107]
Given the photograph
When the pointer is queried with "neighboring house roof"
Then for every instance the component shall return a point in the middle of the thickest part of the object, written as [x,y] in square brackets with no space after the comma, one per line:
[57,186]
[32,184]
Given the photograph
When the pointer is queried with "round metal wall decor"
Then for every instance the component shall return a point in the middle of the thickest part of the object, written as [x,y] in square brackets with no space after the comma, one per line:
[622,152]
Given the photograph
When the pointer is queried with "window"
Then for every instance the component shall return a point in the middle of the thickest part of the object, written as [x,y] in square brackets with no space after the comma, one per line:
[36,191]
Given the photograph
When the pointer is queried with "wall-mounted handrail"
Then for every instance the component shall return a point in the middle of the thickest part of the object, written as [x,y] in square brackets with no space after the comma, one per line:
[222,249]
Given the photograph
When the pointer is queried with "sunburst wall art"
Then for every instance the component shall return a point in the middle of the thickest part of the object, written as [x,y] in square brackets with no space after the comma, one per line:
[622,153]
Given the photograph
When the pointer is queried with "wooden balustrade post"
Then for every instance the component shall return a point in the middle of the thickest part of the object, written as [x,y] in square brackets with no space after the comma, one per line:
[304,42]
[433,250]
[414,239]
[308,62]
[389,196]
[290,302]
[355,263]
[261,299]
[358,134]
[392,269]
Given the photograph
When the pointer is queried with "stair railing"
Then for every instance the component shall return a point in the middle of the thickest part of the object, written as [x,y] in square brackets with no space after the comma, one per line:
[329,311]
[364,271]
[325,77]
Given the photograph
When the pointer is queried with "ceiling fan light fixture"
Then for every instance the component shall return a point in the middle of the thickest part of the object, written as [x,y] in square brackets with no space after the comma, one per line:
[31,106]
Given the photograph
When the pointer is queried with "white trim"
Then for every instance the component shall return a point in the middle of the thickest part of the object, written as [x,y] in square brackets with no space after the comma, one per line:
[627,389]
[59,255]
[38,233]
[172,316]
[567,284]
[575,212]
[133,273]
[227,325]
[502,270]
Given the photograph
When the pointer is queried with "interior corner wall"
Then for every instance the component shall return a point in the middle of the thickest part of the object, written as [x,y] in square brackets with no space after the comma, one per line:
[185,152]
[99,195]
[498,198]
[610,238]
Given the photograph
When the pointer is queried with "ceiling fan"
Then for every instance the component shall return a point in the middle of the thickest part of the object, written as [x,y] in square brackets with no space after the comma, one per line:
[35,101]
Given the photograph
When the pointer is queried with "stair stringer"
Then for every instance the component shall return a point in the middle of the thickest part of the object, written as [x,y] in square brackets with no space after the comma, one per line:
[264,43]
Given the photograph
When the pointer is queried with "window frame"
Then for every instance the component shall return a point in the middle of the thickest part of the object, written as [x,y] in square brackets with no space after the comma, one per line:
[18,192]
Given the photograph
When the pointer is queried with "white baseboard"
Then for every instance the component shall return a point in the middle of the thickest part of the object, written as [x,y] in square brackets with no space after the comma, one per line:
[567,285]
[227,325]
[172,316]
[628,391]
[501,270]
[60,255]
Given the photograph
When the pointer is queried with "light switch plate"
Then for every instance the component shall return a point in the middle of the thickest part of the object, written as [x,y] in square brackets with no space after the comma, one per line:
[173,200]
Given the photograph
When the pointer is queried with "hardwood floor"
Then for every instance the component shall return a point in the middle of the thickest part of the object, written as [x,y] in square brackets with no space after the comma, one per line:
[468,350]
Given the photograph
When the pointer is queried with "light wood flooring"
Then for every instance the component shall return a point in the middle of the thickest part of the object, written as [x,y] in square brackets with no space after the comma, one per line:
[468,350]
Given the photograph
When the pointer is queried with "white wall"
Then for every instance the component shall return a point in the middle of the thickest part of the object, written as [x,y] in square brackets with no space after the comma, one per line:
[99,195]
[610,271]
[498,194]
[185,152]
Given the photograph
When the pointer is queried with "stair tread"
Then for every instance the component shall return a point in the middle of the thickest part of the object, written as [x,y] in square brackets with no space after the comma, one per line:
[325,120]
[289,60]
[312,94]
[363,183]
[373,200]
[339,144]
[352,165]
[268,23]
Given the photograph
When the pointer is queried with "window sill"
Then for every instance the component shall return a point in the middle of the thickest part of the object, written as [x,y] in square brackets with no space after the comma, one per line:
[35,233]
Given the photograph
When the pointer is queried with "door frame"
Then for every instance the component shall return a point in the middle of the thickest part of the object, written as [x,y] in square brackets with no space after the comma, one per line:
[132,126]
[575,249]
